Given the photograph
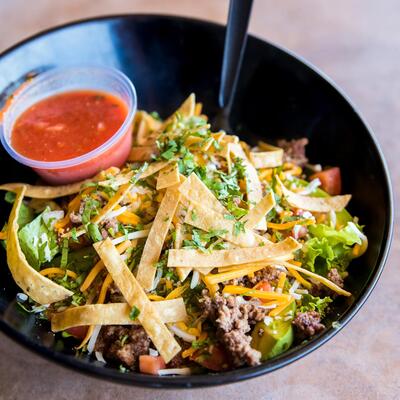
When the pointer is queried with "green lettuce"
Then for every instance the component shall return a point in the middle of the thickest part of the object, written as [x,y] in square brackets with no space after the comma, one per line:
[38,240]
[311,303]
[329,248]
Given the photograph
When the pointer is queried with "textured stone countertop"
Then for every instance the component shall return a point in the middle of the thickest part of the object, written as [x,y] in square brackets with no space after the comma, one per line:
[355,42]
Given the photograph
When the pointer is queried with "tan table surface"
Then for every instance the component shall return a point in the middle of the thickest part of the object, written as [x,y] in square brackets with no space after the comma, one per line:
[357,43]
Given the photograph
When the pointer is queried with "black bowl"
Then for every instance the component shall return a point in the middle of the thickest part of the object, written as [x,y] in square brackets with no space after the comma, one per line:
[279,95]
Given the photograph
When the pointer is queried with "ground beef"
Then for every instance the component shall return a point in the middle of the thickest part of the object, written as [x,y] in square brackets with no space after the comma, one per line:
[294,151]
[320,290]
[233,321]
[123,344]
[177,362]
[307,324]
[334,276]
[115,294]
[76,218]
[269,274]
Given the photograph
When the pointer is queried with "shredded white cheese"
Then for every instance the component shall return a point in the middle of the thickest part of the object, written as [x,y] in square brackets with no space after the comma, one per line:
[174,371]
[187,337]
[117,212]
[131,236]
[93,338]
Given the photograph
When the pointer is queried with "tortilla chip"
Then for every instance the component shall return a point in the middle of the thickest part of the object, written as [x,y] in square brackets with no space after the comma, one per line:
[326,282]
[142,153]
[259,211]
[45,192]
[233,231]
[114,314]
[36,286]
[223,258]
[315,204]
[147,128]
[168,176]
[135,296]
[155,240]
[271,157]
[195,190]
[253,184]
[186,109]
[183,273]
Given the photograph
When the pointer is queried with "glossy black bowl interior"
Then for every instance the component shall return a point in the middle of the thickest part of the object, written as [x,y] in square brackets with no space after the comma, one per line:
[278,96]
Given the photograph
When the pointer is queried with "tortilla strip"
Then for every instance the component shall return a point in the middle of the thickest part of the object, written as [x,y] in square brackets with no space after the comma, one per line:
[182,272]
[317,277]
[147,129]
[208,220]
[155,240]
[168,176]
[223,258]
[195,190]
[45,192]
[114,314]
[253,184]
[316,204]
[267,159]
[259,211]
[186,109]
[141,153]
[135,296]
[36,286]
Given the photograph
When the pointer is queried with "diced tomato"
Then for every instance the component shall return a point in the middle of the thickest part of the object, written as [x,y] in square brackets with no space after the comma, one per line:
[151,364]
[263,285]
[78,332]
[213,358]
[331,180]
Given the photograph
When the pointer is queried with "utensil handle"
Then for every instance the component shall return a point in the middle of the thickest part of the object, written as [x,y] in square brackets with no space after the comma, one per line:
[235,43]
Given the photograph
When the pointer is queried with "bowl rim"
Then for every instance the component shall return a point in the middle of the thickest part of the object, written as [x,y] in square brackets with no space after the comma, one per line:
[196,381]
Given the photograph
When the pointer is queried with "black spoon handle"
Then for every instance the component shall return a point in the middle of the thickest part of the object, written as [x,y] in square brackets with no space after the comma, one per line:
[235,43]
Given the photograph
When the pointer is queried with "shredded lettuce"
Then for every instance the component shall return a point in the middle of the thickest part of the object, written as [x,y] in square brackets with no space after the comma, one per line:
[38,240]
[328,248]
[311,303]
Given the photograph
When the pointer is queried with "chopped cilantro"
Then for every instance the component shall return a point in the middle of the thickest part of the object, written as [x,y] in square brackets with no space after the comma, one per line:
[238,227]
[194,215]
[64,254]
[94,232]
[134,313]
[229,216]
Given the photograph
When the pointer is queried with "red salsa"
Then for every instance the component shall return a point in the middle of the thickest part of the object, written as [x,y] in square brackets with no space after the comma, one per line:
[67,125]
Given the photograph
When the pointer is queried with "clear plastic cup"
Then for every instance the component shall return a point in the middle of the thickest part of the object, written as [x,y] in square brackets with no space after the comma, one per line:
[113,152]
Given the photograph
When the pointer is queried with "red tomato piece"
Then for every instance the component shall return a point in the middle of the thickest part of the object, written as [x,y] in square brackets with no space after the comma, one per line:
[213,358]
[331,180]
[151,364]
[78,332]
[263,285]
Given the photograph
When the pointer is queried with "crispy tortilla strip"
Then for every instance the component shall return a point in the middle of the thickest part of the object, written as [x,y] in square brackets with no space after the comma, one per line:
[316,204]
[186,109]
[135,296]
[182,272]
[155,240]
[141,153]
[269,157]
[168,176]
[38,287]
[317,277]
[259,211]
[253,184]
[125,178]
[147,129]
[195,190]
[45,192]
[207,220]
[223,258]
[114,314]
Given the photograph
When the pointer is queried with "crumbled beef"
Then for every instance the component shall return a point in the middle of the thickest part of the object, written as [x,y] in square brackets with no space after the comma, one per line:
[269,274]
[320,290]
[334,276]
[233,321]
[123,343]
[307,324]
[177,362]
[76,218]
[294,150]
[115,294]
[110,223]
